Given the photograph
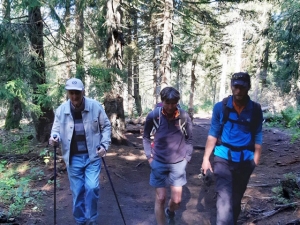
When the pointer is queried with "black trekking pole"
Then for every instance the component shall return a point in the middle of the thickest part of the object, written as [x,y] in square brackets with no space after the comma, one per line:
[54,178]
[112,186]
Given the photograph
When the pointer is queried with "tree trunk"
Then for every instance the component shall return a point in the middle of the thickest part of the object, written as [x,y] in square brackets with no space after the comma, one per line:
[136,75]
[14,113]
[79,37]
[115,112]
[129,74]
[192,91]
[113,101]
[239,47]
[165,55]
[222,93]
[43,123]
[67,45]
[156,65]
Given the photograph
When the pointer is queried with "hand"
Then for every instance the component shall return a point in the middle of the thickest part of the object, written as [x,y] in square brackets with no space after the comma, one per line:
[101,152]
[206,166]
[150,160]
[54,141]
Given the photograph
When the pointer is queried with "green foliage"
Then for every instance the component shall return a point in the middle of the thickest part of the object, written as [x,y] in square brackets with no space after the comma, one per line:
[103,79]
[285,42]
[15,190]
[19,145]
[275,120]
[279,195]
[290,182]
[207,105]
[288,118]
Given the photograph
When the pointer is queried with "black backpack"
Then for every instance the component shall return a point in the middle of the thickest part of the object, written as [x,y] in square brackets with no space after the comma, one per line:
[252,124]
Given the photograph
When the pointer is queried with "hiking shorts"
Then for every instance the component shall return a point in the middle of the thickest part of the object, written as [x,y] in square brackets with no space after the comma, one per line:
[163,174]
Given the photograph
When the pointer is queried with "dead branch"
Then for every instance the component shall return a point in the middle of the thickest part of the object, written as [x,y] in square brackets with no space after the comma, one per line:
[260,185]
[139,164]
[277,209]
[293,222]
[120,176]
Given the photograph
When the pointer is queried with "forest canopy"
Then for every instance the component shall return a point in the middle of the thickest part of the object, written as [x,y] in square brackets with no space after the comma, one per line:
[127,51]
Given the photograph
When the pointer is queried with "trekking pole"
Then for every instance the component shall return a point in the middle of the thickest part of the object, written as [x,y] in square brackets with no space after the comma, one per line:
[112,186]
[54,178]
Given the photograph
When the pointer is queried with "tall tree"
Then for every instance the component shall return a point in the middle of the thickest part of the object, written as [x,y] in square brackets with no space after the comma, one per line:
[113,101]
[44,121]
[14,114]
[79,37]
[136,74]
[165,55]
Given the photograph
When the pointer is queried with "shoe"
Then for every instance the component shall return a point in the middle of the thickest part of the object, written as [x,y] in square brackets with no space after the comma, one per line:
[80,223]
[170,216]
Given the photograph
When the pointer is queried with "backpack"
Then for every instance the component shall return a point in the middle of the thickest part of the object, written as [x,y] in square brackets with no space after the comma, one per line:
[182,120]
[252,124]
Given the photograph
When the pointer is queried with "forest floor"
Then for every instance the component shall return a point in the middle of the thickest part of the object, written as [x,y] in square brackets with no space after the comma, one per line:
[129,171]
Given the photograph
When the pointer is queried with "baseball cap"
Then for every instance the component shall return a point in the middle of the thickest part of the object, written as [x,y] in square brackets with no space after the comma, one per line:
[242,79]
[74,84]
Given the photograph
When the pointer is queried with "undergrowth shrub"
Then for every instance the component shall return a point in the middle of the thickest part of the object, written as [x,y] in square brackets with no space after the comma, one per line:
[15,191]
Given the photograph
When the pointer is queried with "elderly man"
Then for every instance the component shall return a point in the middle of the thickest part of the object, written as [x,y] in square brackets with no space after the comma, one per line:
[84,131]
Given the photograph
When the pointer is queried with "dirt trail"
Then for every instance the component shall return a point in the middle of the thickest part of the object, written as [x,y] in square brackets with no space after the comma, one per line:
[130,171]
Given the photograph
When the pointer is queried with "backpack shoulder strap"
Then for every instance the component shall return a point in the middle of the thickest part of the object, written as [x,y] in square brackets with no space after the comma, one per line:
[255,112]
[183,121]
[156,117]
[225,110]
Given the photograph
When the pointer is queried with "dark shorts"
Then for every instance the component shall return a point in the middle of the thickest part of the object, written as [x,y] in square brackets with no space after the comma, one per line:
[163,175]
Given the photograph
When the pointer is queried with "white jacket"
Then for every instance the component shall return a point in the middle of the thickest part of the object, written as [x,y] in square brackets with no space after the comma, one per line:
[96,125]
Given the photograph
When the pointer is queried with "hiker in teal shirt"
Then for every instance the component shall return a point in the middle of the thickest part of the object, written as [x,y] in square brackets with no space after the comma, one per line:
[235,137]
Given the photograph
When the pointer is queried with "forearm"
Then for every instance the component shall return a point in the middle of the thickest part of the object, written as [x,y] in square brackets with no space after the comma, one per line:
[209,147]
[257,153]
[147,146]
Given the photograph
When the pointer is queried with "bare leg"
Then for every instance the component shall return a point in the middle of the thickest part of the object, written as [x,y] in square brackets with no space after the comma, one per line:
[160,200]
[174,202]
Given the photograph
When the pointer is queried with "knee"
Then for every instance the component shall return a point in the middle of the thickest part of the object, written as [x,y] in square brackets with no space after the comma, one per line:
[176,201]
[160,199]
[93,187]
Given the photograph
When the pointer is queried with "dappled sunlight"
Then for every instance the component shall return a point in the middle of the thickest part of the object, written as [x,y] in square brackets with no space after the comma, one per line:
[47,187]
[108,154]
[133,157]
[253,175]
[23,168]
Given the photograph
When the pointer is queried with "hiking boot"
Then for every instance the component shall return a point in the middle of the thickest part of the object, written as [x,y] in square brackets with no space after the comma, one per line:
[170,216]
[80,223]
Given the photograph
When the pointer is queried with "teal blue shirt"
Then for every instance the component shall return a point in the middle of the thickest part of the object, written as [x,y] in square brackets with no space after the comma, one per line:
[236,134]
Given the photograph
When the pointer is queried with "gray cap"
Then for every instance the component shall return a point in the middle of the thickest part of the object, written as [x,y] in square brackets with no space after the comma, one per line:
[74,84]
